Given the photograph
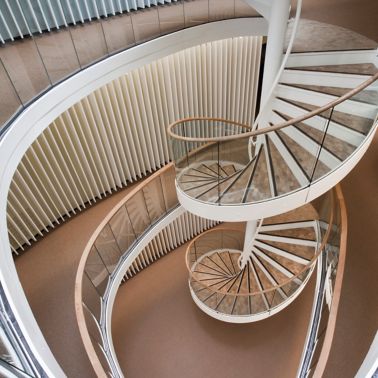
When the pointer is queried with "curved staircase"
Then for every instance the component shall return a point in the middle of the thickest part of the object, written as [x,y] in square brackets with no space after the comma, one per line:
[281,262]
[295,146]
[313,129]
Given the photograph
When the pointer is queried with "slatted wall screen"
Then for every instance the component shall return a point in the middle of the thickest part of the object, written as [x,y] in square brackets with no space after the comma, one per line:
[117,134]
[22,18]
[175,234]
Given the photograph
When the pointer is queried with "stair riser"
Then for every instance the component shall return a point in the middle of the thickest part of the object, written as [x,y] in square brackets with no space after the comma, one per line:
[331,58]
[328,79]
[334,129]
[320,99]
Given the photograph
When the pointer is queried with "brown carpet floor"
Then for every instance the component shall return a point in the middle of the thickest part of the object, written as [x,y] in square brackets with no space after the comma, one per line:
[47,272]
[158,331]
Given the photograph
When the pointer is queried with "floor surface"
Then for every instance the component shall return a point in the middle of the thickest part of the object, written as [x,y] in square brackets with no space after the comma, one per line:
[158,331]
[47,272]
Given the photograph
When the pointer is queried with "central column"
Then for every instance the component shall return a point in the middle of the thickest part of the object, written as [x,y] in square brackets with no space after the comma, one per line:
[251,230]
[278,20]
[279,15]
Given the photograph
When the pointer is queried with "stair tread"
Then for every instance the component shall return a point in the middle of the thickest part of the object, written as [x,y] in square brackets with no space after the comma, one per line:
[325,37]
[360,124]
[366,96]
[235,193]
[283,176]
[352,69]
[298,250]
[295,268]
[332,144]
[259,188]
[304,158]
[278,276]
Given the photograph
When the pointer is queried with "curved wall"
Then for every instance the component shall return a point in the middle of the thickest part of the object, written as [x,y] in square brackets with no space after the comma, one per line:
[28,126]
[117,134]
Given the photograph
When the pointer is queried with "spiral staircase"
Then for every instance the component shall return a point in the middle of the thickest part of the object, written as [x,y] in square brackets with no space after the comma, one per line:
[279,265]
[312,130]
[288,158]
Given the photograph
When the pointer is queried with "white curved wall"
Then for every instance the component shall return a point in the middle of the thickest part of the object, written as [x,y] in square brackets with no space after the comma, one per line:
[117,134]
[28,126]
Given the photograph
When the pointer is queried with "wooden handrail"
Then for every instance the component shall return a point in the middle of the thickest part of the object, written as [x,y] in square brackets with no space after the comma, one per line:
[328,338]
[305,268]
[92,355]
[265,130]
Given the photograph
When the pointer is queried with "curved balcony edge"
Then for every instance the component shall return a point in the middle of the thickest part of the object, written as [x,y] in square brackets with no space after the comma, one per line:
[277,205]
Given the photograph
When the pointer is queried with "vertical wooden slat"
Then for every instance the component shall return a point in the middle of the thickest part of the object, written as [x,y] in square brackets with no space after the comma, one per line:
[117,134]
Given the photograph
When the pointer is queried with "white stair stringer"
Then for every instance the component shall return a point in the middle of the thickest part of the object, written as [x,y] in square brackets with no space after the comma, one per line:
[277,204]
[269,282]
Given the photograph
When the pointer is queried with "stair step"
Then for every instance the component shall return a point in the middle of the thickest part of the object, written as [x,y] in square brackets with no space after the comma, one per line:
[307,147]
[332,58]
[232,191]
[368,95]
[355,123]
[287,172]
[345,133]
[332,79]
[318,99]
[259,188]
[367,69]
[307,160]
[285,226]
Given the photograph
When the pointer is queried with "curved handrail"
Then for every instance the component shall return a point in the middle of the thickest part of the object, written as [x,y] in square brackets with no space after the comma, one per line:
[303,270]
[327,343]
[265,130]
[86,338]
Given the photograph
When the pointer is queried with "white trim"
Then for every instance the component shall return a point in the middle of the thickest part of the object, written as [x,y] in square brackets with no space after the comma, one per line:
[370,364]
[119,273]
